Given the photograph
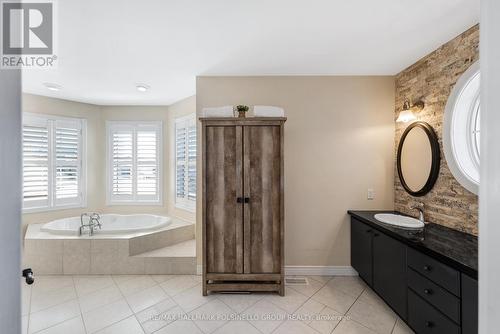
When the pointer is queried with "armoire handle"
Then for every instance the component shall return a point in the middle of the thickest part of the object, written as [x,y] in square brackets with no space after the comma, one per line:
[242,200]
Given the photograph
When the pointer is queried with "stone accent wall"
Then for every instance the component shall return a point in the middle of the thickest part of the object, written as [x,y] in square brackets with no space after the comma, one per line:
[431,79]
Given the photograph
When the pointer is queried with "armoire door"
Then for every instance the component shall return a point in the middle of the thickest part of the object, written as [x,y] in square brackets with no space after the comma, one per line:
[262,187]
[224,182]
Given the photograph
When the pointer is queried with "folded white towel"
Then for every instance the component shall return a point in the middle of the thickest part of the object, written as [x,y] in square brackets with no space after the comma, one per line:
[225,111]
[268,111]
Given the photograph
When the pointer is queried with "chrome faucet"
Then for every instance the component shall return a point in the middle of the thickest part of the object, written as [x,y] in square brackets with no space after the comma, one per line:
[94,221]
[420,207]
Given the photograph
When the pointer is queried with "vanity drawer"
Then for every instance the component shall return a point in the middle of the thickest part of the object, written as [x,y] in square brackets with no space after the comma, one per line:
[434,270]
[435,295]
[425,319]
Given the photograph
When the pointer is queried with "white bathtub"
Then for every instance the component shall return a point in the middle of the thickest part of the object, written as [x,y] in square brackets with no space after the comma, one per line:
[110,224]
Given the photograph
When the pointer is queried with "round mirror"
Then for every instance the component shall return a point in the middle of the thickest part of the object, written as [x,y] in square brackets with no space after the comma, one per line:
[418,159]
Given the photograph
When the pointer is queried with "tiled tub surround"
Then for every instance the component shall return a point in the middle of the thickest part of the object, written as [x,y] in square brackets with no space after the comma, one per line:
[139,304]
[169,250]
[431,79]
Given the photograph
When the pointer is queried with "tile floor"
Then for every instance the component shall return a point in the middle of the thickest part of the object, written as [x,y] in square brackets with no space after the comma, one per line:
[163,304]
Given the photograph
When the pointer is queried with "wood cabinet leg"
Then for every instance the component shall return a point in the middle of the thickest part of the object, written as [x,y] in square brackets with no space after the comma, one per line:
[204,289]
[282,288]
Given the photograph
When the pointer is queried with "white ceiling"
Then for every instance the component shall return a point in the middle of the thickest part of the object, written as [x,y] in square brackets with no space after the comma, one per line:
[106,47]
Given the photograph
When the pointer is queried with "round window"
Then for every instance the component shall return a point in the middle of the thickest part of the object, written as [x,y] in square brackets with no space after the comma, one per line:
[461,129]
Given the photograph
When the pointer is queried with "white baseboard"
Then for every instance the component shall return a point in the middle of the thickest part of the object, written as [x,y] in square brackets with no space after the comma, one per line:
[310,270]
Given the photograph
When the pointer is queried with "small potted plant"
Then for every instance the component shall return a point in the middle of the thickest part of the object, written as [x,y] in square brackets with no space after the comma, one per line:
[242,110]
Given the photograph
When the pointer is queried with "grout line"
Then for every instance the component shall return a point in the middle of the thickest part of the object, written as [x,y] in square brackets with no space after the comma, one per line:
[78,302]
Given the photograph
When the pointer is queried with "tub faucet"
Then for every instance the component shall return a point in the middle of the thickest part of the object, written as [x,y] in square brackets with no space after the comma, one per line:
[94,221]
[420,208]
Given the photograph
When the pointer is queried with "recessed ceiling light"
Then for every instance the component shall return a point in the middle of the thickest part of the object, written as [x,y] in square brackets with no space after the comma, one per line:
[52,86]
[142,87]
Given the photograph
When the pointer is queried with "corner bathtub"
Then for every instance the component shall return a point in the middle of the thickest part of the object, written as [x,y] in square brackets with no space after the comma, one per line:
[111,224]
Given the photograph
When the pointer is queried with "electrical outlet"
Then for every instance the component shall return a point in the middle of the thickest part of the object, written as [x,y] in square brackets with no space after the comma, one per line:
[370,194]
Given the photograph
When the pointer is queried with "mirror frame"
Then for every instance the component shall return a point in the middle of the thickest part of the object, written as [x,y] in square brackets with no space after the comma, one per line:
[436,158]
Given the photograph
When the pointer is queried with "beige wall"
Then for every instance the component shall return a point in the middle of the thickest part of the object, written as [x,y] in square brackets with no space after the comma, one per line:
[338,143]
[431,79]
[96,117]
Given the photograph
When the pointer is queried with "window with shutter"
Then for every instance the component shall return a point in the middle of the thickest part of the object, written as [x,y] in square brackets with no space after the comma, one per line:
[185,162]
[134,162]
[53,162]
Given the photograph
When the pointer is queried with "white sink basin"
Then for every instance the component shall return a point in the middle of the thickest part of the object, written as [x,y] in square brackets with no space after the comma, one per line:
[400,221]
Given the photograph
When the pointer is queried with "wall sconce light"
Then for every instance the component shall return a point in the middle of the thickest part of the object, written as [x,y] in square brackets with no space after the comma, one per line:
[407,115]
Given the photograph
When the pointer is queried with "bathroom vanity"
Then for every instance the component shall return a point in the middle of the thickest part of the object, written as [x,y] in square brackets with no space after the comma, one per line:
[429,283]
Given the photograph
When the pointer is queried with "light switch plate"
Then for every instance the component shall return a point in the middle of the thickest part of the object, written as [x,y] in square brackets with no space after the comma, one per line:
[370,194]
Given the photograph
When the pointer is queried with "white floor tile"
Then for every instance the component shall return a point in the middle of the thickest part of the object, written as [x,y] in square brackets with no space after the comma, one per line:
[309,289]
[237,327]
[42,299]
[379,317]
[135,284]
[352,285]
[327,320]
[162,278]
[53,316]
[145,298]
[107,315]
[73,326]
[321,279]
[290,302]
[239,302]
[351,327]
[334,298]
[100,298]
[180,327]
[179,284]
[161,320]
[155,310]
[126,326]
[265,316]
[401,328]
[48,283]
[88,284]
[192,298]
[309,311]
[215,311]
[294,327]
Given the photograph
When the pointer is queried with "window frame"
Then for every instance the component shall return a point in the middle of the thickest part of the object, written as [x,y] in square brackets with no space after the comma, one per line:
[135,126]
[50,121]
[459,139]
[184,203]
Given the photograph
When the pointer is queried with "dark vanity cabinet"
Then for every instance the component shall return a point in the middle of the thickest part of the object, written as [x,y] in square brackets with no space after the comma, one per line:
[431,296]
[361,250]
[381,262]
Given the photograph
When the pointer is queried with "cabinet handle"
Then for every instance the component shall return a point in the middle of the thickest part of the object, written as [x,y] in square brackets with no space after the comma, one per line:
[427,268]
[239,199]
[429,324]
[428,291]
[247,199]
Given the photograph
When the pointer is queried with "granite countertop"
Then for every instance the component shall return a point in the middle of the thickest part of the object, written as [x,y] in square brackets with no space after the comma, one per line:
[454,248]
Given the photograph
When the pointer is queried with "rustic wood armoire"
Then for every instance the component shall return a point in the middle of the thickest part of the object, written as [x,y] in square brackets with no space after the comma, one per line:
[243,208]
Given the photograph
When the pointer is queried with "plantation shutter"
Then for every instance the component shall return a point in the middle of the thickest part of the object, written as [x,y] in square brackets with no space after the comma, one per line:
[53,169]
[68,162]
[134,162]
[122,163]
[35,163]
[185,149]
[147,163]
